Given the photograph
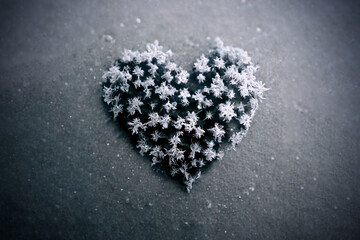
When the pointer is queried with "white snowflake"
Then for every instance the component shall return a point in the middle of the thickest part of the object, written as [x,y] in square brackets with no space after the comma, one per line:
[135,125]
[199,132]
[201,78]
[134,105]
[138,71]
[219,63]
[182,77]
[218,132]
[184,95]
[201,64]
[217,86]
[227,111]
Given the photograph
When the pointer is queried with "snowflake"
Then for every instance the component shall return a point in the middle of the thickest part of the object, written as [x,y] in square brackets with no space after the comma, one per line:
[135,125]
[245,120]
[138,71]
[164,91]
[155,136]
[209,154]
[165,120]
[182,77]
[219,63]
[227,111]
[201,64]
[195,148]
[218,86]
[113,74]
[175,140]
[152,68]
[184,95]
[236,139]
[157,152]
[134,105]
[218,132]
[154,119]
[144,148]
[170,106]
[199,132]
[201,78]
[209,115]
[117,109]
[167,76]
[179,123]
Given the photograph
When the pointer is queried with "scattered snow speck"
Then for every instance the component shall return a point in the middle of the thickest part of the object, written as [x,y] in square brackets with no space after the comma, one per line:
[297,158]
[272,158]
[302,187]
[208,203]
[314,178]
[252,189]
[127,200]
[258,29]
[108,38]
[122,25]
[138,20]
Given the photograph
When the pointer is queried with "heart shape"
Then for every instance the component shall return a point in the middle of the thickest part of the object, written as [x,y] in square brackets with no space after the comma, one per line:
[180,119]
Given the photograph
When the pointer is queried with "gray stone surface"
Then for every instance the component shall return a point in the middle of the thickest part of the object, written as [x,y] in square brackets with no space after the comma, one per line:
[67,171]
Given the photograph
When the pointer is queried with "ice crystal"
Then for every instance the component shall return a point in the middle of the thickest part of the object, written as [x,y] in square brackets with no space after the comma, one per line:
[180,119]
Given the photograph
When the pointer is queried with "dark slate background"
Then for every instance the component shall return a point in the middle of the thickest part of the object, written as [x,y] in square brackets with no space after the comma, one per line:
[67,171]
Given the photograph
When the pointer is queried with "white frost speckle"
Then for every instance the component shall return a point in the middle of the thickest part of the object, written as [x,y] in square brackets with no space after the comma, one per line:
[108,38]
[138,20]
[122,25]
[258,29]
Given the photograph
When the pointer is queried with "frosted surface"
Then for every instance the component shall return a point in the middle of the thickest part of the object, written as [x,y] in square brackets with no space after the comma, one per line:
[68,172]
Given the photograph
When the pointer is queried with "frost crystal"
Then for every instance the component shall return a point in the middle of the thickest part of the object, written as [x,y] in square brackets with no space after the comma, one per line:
[180,119]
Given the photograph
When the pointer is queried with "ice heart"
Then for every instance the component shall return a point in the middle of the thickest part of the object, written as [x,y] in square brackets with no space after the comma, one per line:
[177,118]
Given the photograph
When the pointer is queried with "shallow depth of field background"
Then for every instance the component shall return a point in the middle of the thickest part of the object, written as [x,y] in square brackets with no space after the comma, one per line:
[67,171]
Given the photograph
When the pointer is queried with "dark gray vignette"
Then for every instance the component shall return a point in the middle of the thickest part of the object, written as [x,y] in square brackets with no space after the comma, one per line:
[67,171]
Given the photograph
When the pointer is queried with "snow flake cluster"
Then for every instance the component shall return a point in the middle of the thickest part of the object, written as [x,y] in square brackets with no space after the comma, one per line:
[177,124]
